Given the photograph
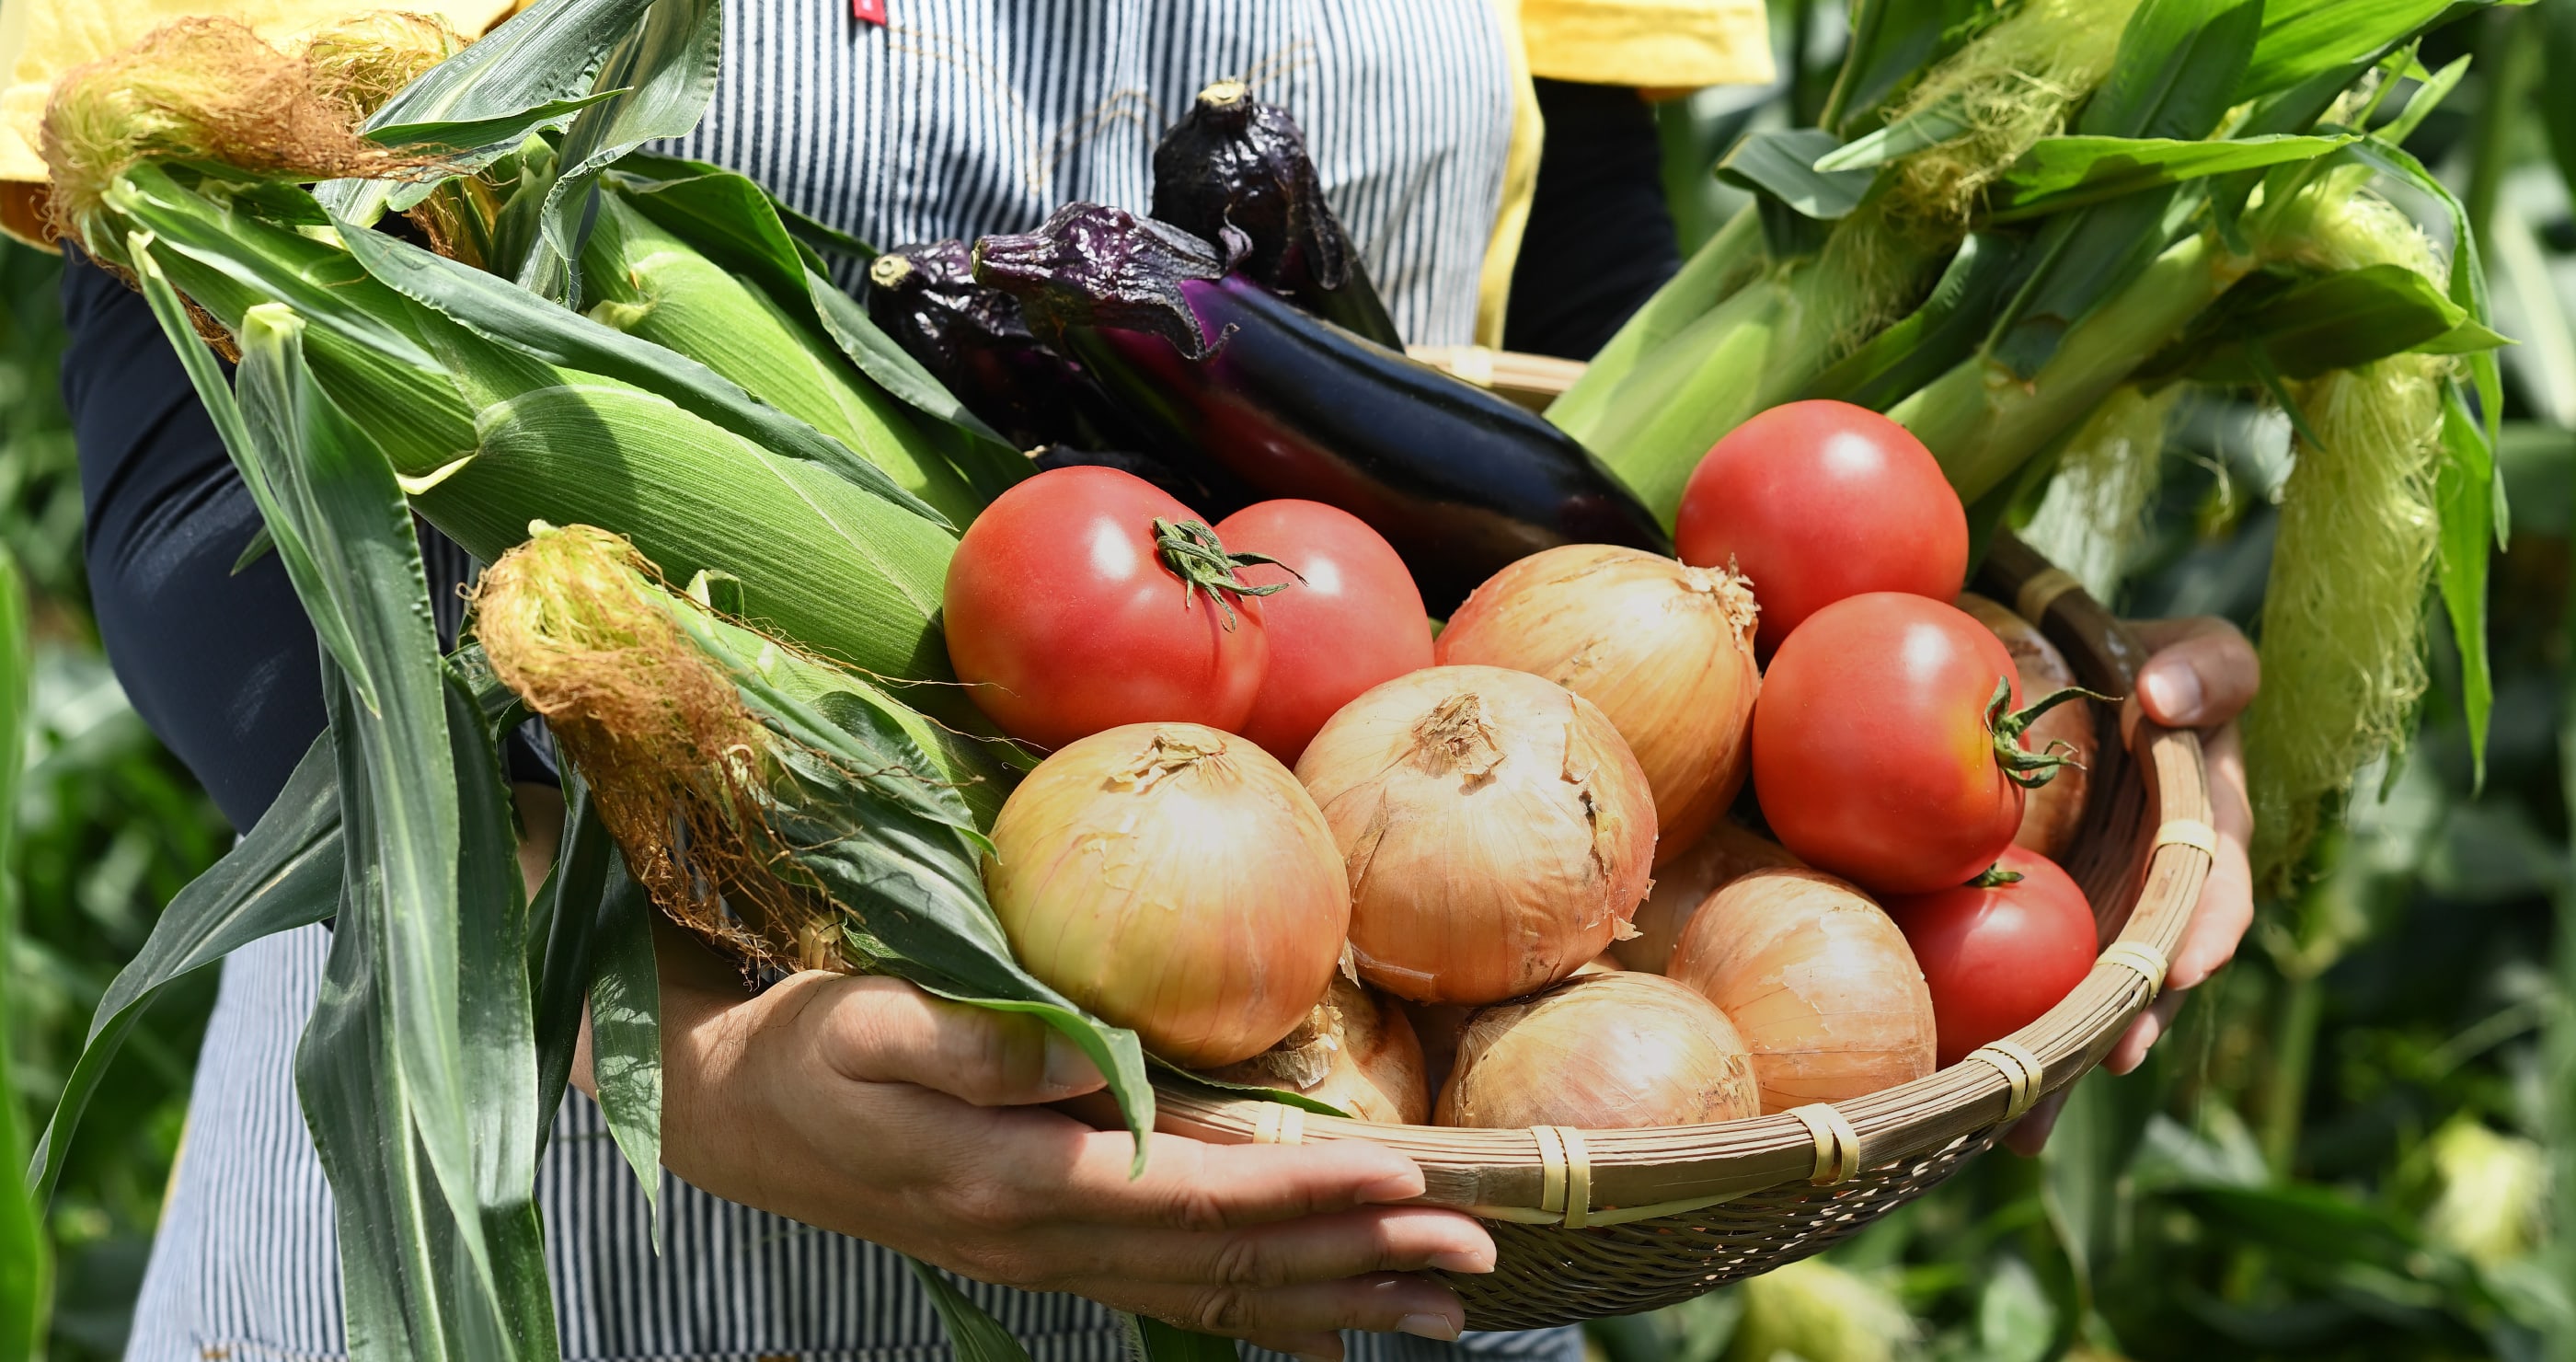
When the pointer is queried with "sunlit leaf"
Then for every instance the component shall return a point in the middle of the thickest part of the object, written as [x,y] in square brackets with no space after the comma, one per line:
[1892,43]
[666,66]
[973,1333]
[284,873]
[26,1259]
[626,1033]
[495,309]
[543,54]
[2066,172]
[1781,163]
[2465,505]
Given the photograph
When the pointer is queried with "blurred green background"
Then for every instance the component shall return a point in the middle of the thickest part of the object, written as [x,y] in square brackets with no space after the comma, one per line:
[2360,1142]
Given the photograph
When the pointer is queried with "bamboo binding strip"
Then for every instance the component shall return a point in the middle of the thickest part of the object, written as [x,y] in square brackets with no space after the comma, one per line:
[1599,1222]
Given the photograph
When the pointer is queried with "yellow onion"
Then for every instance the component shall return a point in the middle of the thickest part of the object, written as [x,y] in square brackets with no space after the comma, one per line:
[1600,1052]
[1819,981]
[1684,882]
[1497,831]
[1355,1051]
[1174,880]
[1666,651]
[2050,814]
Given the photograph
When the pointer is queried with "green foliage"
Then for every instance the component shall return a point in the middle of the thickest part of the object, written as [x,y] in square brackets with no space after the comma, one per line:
[108,828]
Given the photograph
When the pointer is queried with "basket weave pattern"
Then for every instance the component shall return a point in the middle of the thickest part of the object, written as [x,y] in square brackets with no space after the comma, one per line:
[1662,1215]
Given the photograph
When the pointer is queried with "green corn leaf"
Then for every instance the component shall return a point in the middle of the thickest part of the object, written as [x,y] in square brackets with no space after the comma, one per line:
[1781,163]
[26,1264]
[1892,43]
[626,1034]
[987,461]
[283,874]
[564,934]
[505,1120]
[405,820]
[842,572]
[2177,69]
[2306,39]
[1945,330]
[733,221]
[667,65]
[2080,259]
[2468,284]
[1929,126]
[493,308]
[2466,506]
[498,134]
[2307,327]
[414,1284]
[349,1082]
[656,287]
[362,337]
[216,393]
[1155,1341]
[546,53]
[2060,173]
[973,1333]
[2171,77]
[2420,105]
[897,849]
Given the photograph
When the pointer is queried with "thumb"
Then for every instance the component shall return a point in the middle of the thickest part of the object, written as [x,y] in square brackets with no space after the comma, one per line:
[880,1030]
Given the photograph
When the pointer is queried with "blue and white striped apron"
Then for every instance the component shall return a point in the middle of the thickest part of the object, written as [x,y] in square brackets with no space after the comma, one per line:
[956,119]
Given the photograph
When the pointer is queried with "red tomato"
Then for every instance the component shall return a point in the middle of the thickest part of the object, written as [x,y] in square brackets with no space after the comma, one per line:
[1871,750]
[1354,621]
[1065,617]
[1998,956]
[1816,501]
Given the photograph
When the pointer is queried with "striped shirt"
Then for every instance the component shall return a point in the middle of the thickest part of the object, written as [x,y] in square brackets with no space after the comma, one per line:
[956,119]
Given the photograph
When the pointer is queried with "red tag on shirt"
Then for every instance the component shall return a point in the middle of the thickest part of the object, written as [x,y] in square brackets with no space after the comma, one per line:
[869,11]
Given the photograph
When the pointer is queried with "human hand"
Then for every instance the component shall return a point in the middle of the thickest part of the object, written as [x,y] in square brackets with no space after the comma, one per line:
[866,1107]
[2201,674]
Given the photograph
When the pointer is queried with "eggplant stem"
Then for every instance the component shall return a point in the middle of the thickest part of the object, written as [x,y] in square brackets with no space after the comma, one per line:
[1191,550]
[2023,767]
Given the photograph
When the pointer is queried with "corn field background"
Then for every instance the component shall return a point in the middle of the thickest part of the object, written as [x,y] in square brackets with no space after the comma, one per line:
[2359,1143]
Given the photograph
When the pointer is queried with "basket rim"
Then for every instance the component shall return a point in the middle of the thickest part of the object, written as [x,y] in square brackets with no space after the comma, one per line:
[1600,1177]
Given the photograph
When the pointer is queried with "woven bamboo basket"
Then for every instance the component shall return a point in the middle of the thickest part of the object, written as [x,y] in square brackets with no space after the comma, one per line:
[1608,1222]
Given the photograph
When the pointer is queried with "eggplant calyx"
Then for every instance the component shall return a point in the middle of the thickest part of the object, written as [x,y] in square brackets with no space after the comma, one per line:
[1225,103]
[1190,549]
[1092,265]
[2023,767]
[1995,877]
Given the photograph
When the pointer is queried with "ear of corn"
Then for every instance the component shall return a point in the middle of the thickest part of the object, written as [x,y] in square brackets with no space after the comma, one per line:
[847,574]
[651,284]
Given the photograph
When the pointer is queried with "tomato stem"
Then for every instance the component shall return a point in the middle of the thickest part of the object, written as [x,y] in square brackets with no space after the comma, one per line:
[2023,767]
[1190,549]
[1995,876]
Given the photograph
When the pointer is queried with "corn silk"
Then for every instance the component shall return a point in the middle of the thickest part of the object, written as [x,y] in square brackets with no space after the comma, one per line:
[2345,608]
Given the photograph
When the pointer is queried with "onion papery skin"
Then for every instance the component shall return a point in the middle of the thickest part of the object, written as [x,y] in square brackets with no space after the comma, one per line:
[1818,980]
[1174,880]
[1497,831]
[1355,1051]
[1600,1052]
[1666,651]
[2050,814]
[1684,882]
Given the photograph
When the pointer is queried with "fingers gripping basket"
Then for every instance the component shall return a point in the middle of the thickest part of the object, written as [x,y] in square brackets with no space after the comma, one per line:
[1606,1222]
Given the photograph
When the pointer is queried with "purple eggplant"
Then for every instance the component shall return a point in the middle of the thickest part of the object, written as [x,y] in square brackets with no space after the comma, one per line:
[1233,161]
[1229,376]
[975,342]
